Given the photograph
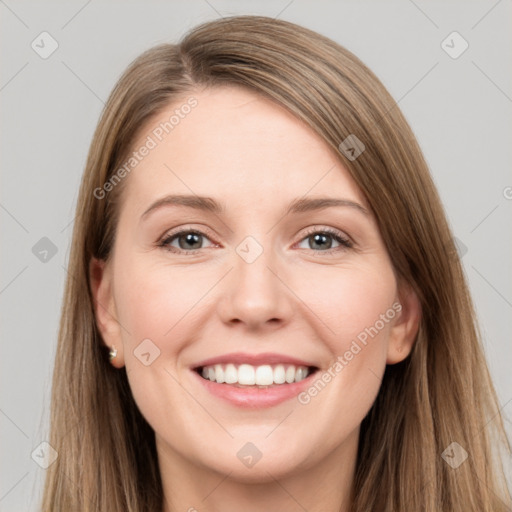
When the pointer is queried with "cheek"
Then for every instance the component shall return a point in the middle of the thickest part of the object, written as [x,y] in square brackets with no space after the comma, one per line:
[159,303]
[352,303]
[159,308]
[356,309]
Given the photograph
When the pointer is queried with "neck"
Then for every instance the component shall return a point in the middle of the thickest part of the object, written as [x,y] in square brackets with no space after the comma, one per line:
[323,487]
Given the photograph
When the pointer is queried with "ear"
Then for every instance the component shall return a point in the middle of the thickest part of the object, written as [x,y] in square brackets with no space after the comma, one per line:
[405,324]
[104,308]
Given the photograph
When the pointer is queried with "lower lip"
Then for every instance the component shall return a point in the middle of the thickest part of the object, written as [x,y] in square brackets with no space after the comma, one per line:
[254,397]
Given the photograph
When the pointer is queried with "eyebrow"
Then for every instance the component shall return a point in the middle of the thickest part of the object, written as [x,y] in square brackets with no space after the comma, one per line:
[209,204]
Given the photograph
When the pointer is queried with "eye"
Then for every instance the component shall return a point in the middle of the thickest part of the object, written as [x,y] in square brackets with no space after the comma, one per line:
[188,240]
[322,239]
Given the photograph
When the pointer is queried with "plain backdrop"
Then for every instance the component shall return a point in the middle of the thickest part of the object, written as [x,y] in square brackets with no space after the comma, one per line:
[459,107]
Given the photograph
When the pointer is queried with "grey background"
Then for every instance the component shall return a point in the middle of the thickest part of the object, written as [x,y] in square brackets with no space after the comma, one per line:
[460,110]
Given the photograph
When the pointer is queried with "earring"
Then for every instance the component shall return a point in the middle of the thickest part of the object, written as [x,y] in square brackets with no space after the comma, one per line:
[113,353]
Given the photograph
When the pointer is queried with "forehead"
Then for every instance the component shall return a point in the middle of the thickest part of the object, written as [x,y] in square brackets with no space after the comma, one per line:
[234,145]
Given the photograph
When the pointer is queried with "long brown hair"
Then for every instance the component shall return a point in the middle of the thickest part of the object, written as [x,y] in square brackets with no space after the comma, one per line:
[442,393]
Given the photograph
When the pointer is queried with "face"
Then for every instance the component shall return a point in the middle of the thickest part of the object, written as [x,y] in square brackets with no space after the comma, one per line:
[265,288]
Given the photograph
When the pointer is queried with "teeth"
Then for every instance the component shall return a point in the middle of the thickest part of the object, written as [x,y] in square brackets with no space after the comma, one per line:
[264,375]
[219,374]
[231,374]
[248,375]
[290,374]
[279,374]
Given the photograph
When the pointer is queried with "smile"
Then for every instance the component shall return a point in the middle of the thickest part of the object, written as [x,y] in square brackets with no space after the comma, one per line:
[250,375]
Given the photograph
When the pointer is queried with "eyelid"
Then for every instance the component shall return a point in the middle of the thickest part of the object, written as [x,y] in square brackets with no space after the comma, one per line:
[343,239]
[203,230]
[326,229]
[173,233]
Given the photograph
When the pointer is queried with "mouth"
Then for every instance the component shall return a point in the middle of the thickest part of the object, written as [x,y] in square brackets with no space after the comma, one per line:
[254,381]
[255,377]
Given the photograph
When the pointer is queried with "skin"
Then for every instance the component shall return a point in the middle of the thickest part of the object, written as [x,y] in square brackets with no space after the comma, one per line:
[295,299]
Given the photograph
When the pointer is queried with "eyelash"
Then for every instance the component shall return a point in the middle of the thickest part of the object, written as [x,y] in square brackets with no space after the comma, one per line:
[345,243]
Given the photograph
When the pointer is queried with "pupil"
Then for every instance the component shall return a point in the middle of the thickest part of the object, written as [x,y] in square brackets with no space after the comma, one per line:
[190,238]
[319,238]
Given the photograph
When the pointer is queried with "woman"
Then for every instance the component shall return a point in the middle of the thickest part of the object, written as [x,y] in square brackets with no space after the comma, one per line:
[265,309]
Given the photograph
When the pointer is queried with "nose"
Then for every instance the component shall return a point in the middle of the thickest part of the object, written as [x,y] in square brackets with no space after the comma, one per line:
[255,293]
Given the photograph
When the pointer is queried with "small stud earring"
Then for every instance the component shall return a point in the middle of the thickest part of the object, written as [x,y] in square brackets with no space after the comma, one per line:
[113,353]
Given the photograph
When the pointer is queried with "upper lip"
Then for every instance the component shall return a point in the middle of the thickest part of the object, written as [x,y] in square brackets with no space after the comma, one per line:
[253,359]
